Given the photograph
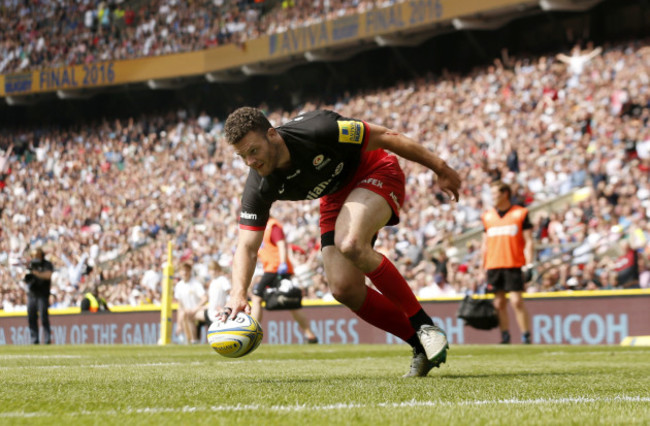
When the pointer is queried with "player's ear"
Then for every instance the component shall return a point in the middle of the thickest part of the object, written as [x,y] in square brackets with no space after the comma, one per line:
[271,133]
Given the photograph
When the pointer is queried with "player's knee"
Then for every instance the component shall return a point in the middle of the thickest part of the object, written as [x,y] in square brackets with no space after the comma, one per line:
[344,294]
[499,303]
[517,303]
[350,247]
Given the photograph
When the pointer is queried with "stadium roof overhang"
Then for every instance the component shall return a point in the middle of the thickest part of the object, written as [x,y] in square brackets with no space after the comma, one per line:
[568,5]
[486,21]
[281,52]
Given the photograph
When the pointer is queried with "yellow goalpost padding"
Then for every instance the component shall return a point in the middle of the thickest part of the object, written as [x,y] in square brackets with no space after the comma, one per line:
[166,302]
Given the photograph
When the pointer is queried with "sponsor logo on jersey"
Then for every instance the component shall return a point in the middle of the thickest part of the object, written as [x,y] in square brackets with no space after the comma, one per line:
[281,190]
[318,190]
[350,131]
[497,231]
[294,175]
[394,197]
[323,164]
[318,159]
[373,182]
[249,216]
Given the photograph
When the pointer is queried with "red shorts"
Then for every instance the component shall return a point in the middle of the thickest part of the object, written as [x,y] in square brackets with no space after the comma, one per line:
[379,173]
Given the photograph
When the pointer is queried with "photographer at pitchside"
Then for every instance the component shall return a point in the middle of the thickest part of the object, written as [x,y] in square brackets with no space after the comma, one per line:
[38,281]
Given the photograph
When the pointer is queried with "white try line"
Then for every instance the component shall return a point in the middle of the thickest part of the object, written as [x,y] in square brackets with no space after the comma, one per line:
[21,356]
[76,366]
[598,353]
[162,364]
[331,407]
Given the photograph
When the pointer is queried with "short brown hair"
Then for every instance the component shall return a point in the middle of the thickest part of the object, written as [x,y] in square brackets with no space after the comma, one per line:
[214,266]
[244,120]
[36,252]
[503,187]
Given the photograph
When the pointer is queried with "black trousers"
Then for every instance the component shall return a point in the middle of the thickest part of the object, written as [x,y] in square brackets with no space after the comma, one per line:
[37,304]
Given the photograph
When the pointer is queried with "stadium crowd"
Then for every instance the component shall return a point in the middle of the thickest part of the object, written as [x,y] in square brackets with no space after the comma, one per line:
[49,33]
[104,198]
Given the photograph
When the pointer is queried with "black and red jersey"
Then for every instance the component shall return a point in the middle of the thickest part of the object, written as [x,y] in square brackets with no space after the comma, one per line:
[326,149]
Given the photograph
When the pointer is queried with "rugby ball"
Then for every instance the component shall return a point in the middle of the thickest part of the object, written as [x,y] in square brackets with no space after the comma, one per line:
[236,337]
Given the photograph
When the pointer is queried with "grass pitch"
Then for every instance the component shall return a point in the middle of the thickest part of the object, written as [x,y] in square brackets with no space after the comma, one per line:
[323,384]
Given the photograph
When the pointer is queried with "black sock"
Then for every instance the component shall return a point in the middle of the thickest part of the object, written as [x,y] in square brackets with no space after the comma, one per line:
[415,344]
[420,318]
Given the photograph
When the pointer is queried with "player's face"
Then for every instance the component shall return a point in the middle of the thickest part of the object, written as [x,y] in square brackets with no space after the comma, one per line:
[498,197]
[257,152]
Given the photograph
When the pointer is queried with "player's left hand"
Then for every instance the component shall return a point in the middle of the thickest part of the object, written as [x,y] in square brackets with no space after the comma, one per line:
[449,182]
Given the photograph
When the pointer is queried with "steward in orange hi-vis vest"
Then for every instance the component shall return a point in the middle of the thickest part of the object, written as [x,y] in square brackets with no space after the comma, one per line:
[505,239]
[269,254]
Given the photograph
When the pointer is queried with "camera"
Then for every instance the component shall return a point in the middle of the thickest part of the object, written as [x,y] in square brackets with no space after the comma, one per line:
[29,279]
[34,264]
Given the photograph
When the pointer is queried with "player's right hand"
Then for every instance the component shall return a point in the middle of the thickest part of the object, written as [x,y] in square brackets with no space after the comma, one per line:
[234,306]
[449,182]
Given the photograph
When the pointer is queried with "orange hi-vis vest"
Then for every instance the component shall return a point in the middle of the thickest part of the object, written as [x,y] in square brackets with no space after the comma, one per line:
[269,253]
[505,238]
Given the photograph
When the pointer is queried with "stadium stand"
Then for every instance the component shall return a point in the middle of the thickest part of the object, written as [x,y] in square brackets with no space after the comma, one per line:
[104,195]
[50,33]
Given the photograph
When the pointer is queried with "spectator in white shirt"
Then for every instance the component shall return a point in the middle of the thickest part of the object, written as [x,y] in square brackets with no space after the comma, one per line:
[75,271]
[190,296]
[151,279]
[218,293]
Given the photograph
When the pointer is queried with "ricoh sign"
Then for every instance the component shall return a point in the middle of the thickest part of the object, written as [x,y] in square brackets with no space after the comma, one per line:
[574,320]
[587,320]
[592,329]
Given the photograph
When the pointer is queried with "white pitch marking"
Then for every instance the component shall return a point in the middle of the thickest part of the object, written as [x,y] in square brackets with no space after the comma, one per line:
[149,364]
[331,407]
[601,353]
[39,356]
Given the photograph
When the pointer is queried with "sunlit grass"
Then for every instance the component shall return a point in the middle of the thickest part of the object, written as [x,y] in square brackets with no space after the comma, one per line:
[324,384]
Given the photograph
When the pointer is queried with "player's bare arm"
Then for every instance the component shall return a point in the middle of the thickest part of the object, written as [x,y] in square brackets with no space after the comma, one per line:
[43,275]
[203,304]
[448,179]
[483,250]
[528,247]
[248,243]
[283,250]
